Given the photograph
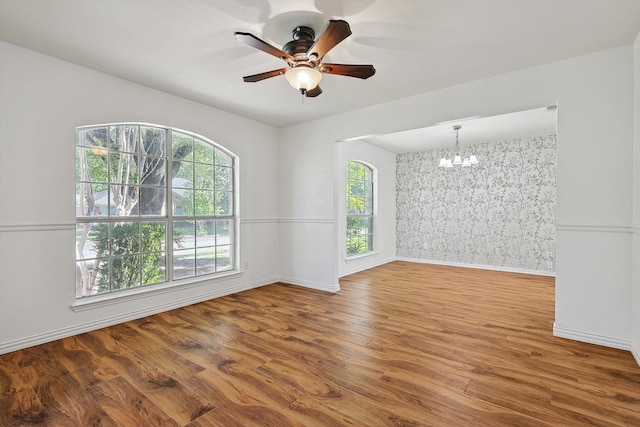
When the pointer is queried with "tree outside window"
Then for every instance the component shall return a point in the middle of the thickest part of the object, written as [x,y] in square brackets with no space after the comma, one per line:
[152,205]
[359,207]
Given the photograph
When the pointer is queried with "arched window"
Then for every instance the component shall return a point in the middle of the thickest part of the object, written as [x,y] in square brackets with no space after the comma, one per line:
[360,212]
[153,205]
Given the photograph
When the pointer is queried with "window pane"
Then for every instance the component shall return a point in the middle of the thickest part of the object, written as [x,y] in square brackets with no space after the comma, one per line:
[206,261]
[204,201]
[352,245]
[124,138]
[154,236]
[223,258]
[203,153]
[182,146]
[123,168]
[124,238]
[125,272]
[85,278]
[154,268]
[184,175]
[205,236]
[99,276]
[154,141]
[92,165]
[223,203]
[86,235]
[223,159]
[224,232]
[152,200]
[184,235]
[183,202]
[184,263]
[224,178]
[204,177]
[92,199]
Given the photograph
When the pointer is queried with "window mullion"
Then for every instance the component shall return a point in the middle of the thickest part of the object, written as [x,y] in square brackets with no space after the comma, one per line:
[168,256]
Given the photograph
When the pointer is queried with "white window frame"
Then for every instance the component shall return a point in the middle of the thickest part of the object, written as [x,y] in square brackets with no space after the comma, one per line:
[168,218]
[369,213]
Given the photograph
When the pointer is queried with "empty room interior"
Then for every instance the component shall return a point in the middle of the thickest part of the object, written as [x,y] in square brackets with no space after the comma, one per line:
[320,213]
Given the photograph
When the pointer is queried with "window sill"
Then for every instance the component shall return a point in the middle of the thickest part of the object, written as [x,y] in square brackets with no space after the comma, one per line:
[97,301]
[358,257]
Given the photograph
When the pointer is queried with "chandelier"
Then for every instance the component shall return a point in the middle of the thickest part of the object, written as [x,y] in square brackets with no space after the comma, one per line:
[458,160]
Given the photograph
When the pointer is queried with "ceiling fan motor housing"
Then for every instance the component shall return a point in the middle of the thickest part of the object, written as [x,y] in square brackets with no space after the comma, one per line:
[302,40]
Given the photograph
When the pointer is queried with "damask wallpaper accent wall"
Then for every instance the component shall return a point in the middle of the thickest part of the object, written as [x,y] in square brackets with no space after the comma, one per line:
[500,213]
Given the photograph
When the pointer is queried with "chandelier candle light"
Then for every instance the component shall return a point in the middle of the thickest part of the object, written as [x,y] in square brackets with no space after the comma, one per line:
[457,160]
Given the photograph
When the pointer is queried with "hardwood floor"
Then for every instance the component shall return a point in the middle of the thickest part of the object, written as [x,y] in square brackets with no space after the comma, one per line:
[400,345]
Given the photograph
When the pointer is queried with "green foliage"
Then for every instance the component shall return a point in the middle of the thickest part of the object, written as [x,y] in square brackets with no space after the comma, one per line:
[359,208]
[209,181]
[359,235]
[136,253]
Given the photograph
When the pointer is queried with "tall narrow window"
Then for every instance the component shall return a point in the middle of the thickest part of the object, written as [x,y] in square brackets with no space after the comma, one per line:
[153,205]
[360,212]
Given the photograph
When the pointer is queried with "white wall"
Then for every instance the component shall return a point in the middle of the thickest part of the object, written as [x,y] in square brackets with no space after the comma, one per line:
[307,236]
[594,94]
[384,239]
[43,101]
[636,199]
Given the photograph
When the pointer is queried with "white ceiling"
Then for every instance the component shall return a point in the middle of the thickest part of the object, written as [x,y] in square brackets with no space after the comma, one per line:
[474,130]
[187,47]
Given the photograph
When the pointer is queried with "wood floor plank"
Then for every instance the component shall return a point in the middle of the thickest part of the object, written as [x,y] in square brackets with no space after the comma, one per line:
[19,402]
[127,406]
[403,344]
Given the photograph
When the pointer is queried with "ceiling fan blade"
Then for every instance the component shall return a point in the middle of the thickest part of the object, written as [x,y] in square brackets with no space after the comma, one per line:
[358,71]
[253,41]
[261,76]
[313,92]
[334,33]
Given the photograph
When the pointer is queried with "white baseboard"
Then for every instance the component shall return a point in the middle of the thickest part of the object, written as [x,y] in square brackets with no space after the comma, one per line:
[22,343]
[636,353]
[590,338]
[480,266]
[46,337]
[311,285]
[366,265]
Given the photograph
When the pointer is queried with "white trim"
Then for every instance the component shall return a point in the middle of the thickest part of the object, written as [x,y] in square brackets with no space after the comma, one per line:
[36,227]
[595,228]
[259,221]
[286,220]
[311,285]
[590,338]
[636,354]
[118,297]
[358,257]
[367,267]
[307,220]
[480,266]
[22,343]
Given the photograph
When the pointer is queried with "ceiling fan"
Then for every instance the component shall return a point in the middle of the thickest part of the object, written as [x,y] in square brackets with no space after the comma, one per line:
[304,57]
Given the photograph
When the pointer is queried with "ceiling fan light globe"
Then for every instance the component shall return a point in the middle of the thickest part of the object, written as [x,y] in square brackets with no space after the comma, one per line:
[303,78]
